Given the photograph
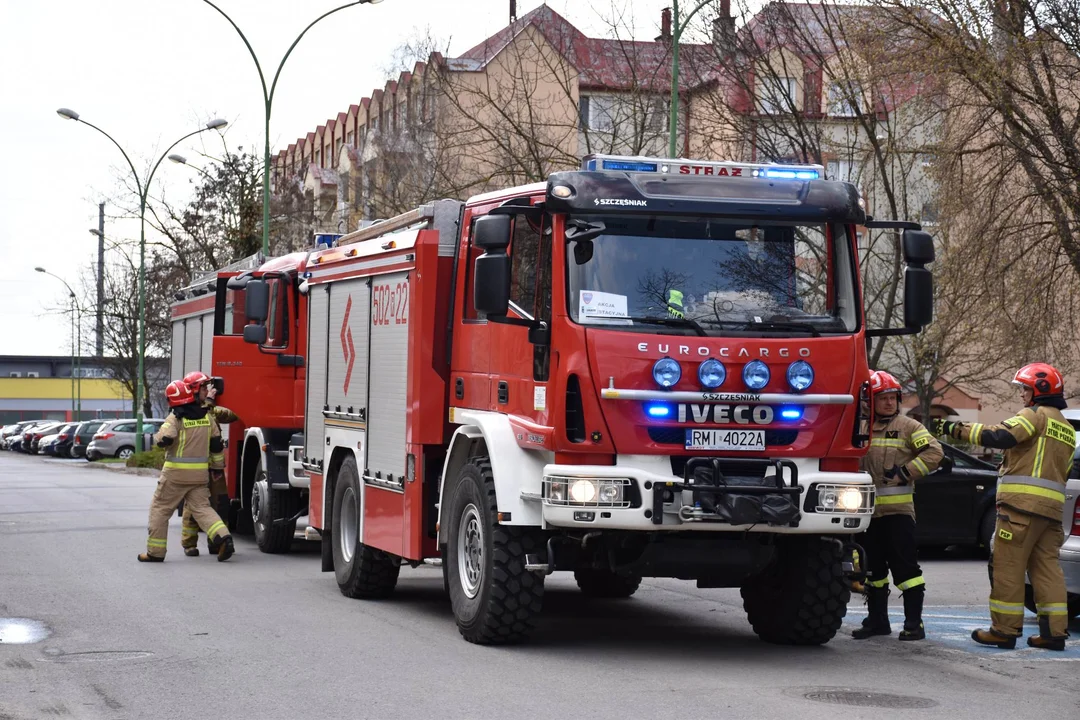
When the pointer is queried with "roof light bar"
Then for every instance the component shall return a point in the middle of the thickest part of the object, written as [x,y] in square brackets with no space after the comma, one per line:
[770,171]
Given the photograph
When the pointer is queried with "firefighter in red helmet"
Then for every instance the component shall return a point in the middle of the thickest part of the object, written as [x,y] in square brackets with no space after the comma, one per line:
[901,451]
[1038,444]
[192,442]
[206,394]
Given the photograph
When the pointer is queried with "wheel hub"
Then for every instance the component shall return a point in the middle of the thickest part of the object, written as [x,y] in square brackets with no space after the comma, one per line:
[470,555]
[348,522]
[258,502]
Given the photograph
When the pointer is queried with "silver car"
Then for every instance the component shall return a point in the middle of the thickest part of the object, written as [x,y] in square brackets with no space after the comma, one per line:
[116,438]
[1069,555]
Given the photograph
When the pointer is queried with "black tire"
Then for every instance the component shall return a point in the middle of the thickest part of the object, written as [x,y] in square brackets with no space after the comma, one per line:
[598,583]
[273,537]
[361,571]
[126,449]
[801,597]
[504,598]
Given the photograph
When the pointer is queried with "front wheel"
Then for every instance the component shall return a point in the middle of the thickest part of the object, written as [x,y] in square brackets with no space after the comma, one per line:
[361,571]
[494,598]
[271,514]
[801,597]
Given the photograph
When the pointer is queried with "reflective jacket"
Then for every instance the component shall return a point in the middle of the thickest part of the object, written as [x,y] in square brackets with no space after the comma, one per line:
[223,415]
[903,441]
[192,441]
[1039,444]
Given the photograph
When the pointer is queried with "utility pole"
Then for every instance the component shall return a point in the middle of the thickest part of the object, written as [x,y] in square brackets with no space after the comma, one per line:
[100,335]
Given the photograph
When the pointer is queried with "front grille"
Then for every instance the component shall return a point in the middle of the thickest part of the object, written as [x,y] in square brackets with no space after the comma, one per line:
[677,436]
[730,467]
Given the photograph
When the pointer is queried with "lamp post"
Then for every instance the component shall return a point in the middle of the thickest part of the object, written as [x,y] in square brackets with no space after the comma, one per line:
[76,348]
[268,101]
[99,329]
[678,25]
[143,186]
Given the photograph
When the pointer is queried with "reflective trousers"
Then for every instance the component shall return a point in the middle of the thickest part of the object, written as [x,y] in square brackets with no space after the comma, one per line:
[890,546]
[189,536]
[167,498]
[1027,544]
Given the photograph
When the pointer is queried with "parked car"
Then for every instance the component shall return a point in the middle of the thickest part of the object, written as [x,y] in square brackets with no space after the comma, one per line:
[82,436]
[13,433]
[116,438]
[954,505]
[32,438]
[57,445]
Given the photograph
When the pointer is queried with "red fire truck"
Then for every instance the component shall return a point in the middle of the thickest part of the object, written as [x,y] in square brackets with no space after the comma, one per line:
[644,368]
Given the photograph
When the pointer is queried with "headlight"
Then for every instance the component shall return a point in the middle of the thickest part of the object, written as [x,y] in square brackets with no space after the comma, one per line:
[583,491]
[666,372]
[755,374]
[827,499]
[711,373]
[557,491]
[850,499]
[800,375]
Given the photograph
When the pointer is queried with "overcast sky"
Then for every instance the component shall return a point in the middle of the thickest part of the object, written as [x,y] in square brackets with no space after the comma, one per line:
[149,71]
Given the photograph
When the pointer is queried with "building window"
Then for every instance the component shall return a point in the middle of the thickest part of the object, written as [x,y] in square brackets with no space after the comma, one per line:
[839,170]
[777,95]
[350,138]
[845,99]
[318,158]
[337,147]
[598,112]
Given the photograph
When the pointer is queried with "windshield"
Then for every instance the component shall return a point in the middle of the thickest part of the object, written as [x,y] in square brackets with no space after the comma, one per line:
[718,274]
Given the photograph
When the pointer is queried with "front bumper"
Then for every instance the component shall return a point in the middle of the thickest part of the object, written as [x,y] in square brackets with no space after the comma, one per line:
[1069,556]
[654,499]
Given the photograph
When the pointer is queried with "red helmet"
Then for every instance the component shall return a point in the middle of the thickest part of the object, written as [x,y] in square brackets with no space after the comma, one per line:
[195,379]
[1044,380]
[883,382]
[179,393]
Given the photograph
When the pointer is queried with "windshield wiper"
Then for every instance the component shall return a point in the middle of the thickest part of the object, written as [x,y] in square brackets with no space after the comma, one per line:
[789,326]
[669,322]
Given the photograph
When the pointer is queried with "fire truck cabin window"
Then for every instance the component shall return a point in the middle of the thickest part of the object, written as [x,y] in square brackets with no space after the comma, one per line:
[725,274]
[277,324]
[524,255]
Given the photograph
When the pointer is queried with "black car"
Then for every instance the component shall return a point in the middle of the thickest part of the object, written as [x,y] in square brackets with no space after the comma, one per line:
[84,433]
[954,505]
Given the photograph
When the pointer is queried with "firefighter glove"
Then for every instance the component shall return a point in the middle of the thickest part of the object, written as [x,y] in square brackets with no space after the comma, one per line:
[946,428]
[900,472]
[165,442]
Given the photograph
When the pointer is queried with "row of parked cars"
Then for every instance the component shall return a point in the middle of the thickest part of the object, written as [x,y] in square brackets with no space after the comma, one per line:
[90,439]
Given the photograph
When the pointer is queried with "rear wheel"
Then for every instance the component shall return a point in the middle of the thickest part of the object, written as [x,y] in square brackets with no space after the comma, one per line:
[801,597]
[268,507]
[495,599]
[125,452]
[598,583]
[361,571]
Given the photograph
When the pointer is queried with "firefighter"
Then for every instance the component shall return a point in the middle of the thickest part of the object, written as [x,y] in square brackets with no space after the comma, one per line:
[901,452]
[219,493]
[1038,444]
[192,442]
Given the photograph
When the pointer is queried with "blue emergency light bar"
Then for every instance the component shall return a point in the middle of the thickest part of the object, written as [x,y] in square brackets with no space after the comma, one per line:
[702,167]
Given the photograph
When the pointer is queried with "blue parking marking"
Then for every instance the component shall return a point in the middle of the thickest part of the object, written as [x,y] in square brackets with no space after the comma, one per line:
[950,627]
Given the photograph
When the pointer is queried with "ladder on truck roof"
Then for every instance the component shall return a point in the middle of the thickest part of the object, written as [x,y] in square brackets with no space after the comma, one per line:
[441,215]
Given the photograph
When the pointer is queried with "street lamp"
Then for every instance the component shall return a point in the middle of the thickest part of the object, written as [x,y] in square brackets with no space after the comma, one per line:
[268,100]
[143,186]
[76,347]
[677,30]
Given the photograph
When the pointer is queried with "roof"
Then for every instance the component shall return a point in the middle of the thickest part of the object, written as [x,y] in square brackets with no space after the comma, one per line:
[604,63]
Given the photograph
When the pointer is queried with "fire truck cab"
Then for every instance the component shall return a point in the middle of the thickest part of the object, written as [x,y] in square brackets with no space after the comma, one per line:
[643,368]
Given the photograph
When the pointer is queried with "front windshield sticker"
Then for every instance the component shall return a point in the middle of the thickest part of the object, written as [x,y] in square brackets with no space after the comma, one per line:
[594,305]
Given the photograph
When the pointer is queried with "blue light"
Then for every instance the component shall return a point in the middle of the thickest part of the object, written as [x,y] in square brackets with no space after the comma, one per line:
[755,374]
[791,174]
[590,165]
[791,413]
[712,373]
[630,166]
[800,375]
[666,372]
[657,410]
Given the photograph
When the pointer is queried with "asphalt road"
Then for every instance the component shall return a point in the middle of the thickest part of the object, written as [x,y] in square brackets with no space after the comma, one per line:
[271,637]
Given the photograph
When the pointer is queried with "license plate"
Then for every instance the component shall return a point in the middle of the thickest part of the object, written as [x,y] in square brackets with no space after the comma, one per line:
[725,440]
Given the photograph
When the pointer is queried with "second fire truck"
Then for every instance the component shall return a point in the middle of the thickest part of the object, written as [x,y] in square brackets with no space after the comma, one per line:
[644,368]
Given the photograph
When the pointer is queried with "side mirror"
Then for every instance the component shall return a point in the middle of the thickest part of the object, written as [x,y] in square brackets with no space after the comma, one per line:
[256,301]
[255,334]
[918,297]
[492,232]
[491,283]
[918,247]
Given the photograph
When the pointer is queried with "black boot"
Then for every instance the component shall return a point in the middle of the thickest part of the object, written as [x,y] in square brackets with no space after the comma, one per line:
[225,549]
[913,624]
[1044,640]
[877,614]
